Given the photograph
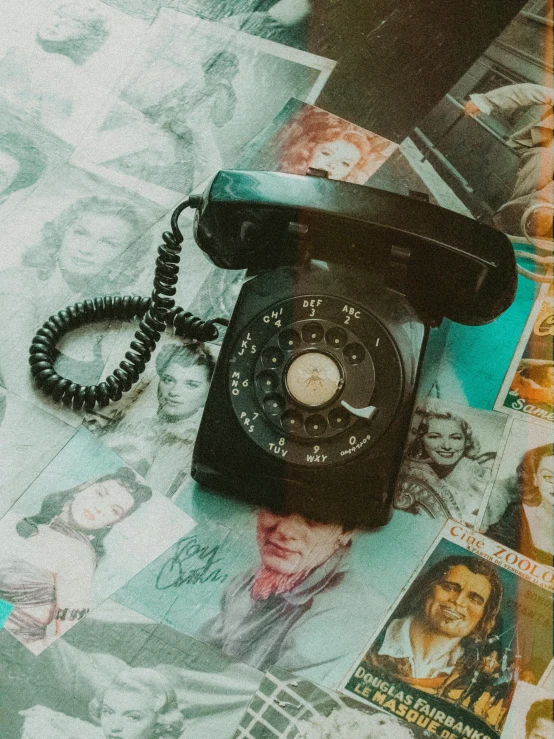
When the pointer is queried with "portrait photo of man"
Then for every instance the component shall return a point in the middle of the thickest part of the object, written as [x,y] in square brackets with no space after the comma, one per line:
[539,721]
[290,609]
[435,636]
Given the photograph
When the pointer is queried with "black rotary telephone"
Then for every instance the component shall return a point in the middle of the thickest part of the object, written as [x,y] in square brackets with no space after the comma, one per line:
[311,398]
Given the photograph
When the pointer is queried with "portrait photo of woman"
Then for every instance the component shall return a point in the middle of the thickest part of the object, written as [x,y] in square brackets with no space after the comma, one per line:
[521,506]
[445,473]
[303,136]
[45,76]
[49,559]
[80,254]
[130,143]
[156,437]
[140,703]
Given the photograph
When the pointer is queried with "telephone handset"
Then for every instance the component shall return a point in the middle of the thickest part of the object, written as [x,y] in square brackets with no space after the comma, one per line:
[311,398]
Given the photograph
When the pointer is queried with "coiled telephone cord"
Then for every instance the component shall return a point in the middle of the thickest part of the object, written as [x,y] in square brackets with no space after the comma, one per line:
[155,314]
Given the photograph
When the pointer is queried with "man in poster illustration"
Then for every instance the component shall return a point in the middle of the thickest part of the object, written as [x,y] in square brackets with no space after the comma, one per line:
[301,591]
[433,641]
[529,210]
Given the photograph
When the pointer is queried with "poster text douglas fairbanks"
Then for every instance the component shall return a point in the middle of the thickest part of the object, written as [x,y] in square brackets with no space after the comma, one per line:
[473,621]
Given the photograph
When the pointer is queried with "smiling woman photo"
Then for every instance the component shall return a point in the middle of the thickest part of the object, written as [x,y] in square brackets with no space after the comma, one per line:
[50,558]
[81,254]
[444,474]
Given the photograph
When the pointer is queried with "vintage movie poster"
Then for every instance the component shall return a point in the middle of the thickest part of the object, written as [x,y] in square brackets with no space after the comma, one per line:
[303,136]
[528,389]
[451,458]
[285,707]
[531,715]
[473,621]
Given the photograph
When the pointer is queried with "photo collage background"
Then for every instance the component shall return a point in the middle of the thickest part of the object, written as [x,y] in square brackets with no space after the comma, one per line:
[133,602]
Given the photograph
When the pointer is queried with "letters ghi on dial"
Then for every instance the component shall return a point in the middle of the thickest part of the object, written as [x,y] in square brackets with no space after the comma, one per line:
[295,363]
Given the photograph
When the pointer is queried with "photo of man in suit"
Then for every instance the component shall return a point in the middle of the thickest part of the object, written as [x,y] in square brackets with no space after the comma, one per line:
[529,210]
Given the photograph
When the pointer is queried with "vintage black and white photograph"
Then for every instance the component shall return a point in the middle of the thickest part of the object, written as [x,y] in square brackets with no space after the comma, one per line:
[23,459]
[531,715]
[519,508]
[153,429]
[303,136]
[285,707]
[284,21]
[263,588]
[84,527]
[491,136]
[145,9]
[60,65]
[118,674]
[28,152]
[80,243]
[185,106]
[451,458]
